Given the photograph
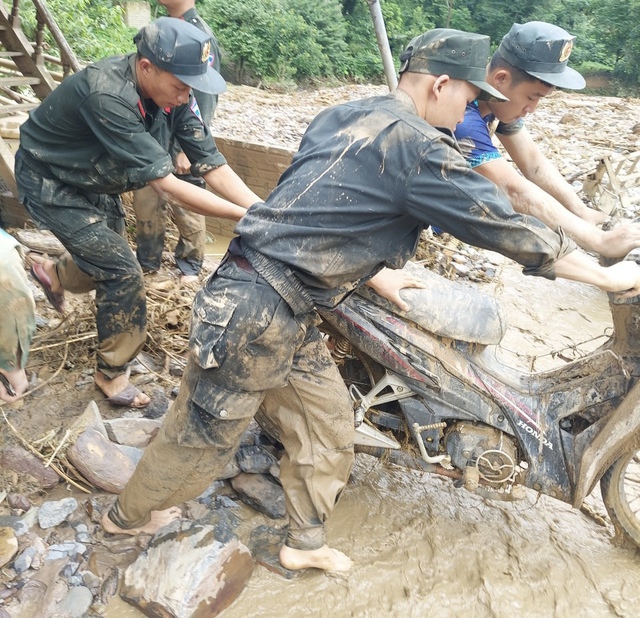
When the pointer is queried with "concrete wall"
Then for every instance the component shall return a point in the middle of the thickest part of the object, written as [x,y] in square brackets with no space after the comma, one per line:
[259,165]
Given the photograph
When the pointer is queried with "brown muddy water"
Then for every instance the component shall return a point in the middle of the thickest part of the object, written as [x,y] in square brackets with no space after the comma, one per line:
[423,548]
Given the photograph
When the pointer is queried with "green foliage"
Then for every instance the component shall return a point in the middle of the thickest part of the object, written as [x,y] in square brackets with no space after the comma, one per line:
[299,40]
[281,39]
[94,28]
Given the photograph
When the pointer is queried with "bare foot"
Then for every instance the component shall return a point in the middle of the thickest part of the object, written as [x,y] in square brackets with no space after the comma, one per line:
[113,388]
[158,520]
[325,558]
[49,267]
[18,384]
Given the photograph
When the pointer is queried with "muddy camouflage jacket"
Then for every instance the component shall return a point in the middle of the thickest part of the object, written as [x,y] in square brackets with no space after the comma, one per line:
[95,132]
[368,177]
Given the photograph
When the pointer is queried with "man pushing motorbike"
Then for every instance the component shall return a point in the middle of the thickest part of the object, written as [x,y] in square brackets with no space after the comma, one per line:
[368,177]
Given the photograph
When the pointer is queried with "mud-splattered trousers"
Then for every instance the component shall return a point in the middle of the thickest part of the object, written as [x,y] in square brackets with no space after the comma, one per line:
[91,227]
[151,224]
[249,351]
[151,211]
[18,323]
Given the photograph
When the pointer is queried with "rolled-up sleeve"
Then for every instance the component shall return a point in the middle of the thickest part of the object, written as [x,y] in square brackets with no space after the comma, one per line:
[196,141]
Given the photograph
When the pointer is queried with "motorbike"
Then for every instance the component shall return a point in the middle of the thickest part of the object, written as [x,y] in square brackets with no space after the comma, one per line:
[429,392]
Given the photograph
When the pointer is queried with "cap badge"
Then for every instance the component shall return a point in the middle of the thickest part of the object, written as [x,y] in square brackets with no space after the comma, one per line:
[206,52]
[566,51]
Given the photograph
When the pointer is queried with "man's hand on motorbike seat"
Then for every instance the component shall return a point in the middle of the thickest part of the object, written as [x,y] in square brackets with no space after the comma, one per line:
[621,239]
[389,282]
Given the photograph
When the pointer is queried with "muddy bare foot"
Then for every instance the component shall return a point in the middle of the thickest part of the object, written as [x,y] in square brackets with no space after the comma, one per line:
[325,558]
[120,392]
[17,384]
[158,520]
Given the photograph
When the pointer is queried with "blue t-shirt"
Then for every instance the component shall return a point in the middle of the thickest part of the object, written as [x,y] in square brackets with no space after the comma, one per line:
[474,135]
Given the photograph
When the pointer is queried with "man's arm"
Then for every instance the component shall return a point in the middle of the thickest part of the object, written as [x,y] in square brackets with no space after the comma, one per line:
[196,199]
[623,277]
[224,181]
[536,168]
[529,198]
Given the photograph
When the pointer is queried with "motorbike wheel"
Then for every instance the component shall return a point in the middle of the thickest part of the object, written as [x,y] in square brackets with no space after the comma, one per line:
[621,494]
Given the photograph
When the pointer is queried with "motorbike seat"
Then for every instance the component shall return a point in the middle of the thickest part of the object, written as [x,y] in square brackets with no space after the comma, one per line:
[447,308]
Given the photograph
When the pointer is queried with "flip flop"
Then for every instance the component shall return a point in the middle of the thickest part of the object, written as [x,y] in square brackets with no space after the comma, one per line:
[126,397]
[44,281]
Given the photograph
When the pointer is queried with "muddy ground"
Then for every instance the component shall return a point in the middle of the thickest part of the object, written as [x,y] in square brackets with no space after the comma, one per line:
[420,546]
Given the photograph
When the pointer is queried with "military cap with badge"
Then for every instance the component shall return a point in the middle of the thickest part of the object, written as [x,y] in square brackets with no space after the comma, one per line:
[458,54]
[183,50]
[542,50]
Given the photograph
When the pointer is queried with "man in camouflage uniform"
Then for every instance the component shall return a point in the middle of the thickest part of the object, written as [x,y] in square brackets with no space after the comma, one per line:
[105,130]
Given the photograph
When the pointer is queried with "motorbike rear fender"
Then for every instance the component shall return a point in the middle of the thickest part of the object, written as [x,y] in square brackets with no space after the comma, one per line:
[619,434]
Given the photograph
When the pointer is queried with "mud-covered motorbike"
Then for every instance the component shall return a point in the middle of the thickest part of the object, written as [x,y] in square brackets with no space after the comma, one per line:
[429,392]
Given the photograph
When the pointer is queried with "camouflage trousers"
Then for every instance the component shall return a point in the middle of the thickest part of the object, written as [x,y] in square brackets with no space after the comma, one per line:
[249,354]
[151,225]
[91,228]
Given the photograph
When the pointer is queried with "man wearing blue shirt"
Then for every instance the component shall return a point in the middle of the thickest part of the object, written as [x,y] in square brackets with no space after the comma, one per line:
[530,63]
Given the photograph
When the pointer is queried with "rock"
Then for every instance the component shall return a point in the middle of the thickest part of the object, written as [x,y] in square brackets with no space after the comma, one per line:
[158,406]
[177,366]
[41,549]
[204,577]
[254,459]
[22,461]
[71,550]
[274,471]
[8,545]
[132,452]
[76,603]
[109,585]
[4,613]
[16,523]
[19,502]
[265,543]
[91,581]
[90,419]
[224,502]
[100,461]
[31,516]
[41,241]
[136,432]
[206,496]
[260,493]
[54,513]
[23,562]
[230,470]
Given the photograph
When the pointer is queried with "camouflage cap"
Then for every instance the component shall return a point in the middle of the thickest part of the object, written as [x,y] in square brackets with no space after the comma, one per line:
[183,50]
[542,50]
[458,54]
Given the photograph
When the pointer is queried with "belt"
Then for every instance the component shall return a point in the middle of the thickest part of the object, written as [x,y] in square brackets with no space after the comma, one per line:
[279,276]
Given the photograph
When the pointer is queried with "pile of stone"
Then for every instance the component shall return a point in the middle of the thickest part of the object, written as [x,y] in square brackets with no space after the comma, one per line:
[57,561]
